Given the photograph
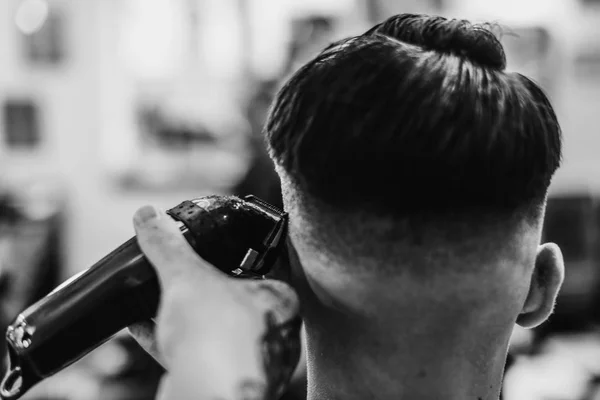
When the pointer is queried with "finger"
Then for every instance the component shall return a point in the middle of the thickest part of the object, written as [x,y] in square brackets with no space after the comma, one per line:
[190,384]
[165,247]
[277,297]
[165,389]
[206,375]
[144,335]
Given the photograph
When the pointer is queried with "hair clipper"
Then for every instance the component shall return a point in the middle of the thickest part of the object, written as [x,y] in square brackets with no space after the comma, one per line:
[241,237]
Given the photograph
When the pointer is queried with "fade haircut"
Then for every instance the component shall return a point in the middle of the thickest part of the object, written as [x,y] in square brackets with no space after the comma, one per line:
[416,117]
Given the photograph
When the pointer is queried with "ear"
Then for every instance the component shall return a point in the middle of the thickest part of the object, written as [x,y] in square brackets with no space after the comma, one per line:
[547,278]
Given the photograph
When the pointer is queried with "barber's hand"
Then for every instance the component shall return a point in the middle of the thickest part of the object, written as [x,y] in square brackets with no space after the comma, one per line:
[209,326]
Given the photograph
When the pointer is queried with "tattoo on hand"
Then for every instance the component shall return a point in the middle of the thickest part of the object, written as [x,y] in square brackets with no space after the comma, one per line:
[281,352]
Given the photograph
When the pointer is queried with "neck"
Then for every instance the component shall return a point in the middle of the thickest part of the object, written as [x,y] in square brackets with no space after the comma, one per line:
[362,344]
[378,361]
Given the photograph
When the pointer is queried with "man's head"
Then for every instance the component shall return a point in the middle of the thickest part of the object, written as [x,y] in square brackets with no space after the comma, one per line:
[411,159]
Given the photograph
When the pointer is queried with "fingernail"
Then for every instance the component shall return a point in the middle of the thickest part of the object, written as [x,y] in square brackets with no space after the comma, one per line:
[146,213]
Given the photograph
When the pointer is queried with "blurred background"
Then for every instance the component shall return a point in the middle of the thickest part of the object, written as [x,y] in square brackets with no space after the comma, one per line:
[107,105]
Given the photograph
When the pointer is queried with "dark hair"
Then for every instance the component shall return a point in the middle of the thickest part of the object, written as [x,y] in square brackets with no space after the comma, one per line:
[416,116]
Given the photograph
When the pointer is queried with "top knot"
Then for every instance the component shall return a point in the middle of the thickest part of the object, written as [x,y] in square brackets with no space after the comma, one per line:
[476,43]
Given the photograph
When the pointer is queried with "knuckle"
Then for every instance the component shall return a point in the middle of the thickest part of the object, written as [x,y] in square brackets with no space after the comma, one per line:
[277,295]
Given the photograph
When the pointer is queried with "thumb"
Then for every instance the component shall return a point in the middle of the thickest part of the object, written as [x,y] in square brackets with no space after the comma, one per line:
[161,240]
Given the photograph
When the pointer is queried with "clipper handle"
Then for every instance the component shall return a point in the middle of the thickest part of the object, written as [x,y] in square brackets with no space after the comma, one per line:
[242,238]
[79,316]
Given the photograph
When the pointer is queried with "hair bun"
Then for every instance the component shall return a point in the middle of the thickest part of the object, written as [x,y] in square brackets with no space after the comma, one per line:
[476,43]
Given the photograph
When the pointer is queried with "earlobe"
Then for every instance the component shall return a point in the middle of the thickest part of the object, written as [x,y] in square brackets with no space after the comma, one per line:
[546,281]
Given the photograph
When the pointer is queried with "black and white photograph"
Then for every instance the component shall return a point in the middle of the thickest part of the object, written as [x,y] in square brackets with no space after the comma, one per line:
[299,200]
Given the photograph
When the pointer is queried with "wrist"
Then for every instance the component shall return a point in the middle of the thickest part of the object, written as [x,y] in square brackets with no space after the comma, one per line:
[220,368]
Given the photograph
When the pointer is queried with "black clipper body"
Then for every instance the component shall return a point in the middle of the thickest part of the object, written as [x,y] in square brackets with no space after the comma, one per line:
[242,238]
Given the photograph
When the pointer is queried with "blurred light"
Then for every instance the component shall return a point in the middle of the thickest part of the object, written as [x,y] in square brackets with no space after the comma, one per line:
[514,12]
[223,57]
[40,199]
[302,8]
[31,15]
[269,22]
[153,38]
